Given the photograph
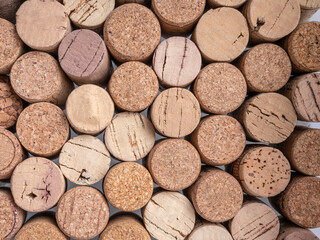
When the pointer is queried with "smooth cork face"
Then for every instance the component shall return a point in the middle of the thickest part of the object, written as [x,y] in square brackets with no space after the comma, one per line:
[226,3]
[209,231]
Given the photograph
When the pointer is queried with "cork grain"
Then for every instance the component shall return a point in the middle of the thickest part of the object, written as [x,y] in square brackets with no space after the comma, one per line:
[226,3]
[209,231]
[120,2]
[309,4]
[289,231]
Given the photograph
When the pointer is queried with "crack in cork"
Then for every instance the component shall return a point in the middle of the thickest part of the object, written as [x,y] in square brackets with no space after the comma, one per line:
[277,18]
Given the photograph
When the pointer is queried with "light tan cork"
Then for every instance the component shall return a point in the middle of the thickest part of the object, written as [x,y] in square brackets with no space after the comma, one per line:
[132,32]
[133,86]
[209,231]
[11,216]
[37,184]
[129,136]
[221,34]
[37,77]
[177,62]
[169,216]
[89,109]
[226,3]
[42,129]
[128,186]
[11,46]
[220,88]
[175,112]
[84,160]
[42,24]
[308,9]
[289,231]
[9,8]
[82,213]
[144,2]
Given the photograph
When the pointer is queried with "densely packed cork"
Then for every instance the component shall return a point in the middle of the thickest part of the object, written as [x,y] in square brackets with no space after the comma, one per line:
[209,231]
[226,3]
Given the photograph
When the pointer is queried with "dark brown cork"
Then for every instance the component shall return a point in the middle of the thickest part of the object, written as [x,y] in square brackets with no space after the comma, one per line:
[226,3]
[9,8]
[289,231]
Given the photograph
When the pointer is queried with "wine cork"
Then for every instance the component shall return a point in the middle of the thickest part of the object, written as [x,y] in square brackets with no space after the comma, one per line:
[175,112]
[11,216]
[8,9]
[308,9]
[84,160]
[82,213]
[42,24]
[89,14]
[128,186]
[178,17]
[262,171]
[169,216]
[226,3]
[271,22]
[219,139]
[268,117]
[221,34]
[11,153]
[129,136]
[290,231]
[83,56]
[174,164]
[37,184]
[37,77]
[306,14]
[89,109]
[266,67]
[209,231]
[177,62]
[255,220]
[220,88]
[144,2]
[11,46]
[142,33]
[133,86]
[42,129]
[216,195]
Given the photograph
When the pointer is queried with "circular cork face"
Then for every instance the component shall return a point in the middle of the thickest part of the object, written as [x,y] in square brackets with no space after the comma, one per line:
[77,203]
[209,231]
[42,129]
[221,34]
[309,4]
[255,220]
[220,88]
[89,109]
[303,235]
[177,62]
[42,25]
[226,3]
[266,68]
[11,46]
[129,136]
[174,164]
[219,139]
[175,112]
[133,86]
[169,216]
[84,160]
[132,32]
[128,186]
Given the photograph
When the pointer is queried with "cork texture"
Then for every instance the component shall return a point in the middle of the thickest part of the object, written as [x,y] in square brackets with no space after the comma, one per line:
[290,231]
[226,3]
[8,9]
[120,2]
[309,4]
[210,231]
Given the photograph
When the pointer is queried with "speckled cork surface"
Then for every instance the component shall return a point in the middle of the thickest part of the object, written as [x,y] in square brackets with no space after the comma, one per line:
[174,164]
[289,231]
[8,9]
[220,88]
[128,186]
[133,86]
[209,231]
[226,3]
[82,213]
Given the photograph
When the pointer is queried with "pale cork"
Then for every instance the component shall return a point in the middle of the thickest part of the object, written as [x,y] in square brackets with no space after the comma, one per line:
[144,2]
[289,231]
[9,8]
[226,3]
[209,231]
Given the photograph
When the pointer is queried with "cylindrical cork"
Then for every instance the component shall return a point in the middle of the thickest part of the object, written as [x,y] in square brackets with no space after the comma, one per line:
[177,17]
[89,109]
[84,160]
[255,220]
[220,88]
[8,9]
[37,184]
[133,86]
[177,62]
[42,129]
[128,186]
[175,112]
[226,3]
[132,32]
[289,231]
[271,22]
[144,2]
[268,117]
[209,231]
[216,195]
[308,9]
[89,14]
[220,139]
[221,34]
[42,24]
[262,171]
[169,216]
[83,56]
[37,77]
[174,164]
[266,67]
[82,213]
[129,136]
[11,216]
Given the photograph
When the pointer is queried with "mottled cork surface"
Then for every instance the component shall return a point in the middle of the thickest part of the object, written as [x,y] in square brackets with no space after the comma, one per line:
[226,3]
[289,231]
[309,4]
[209,231]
